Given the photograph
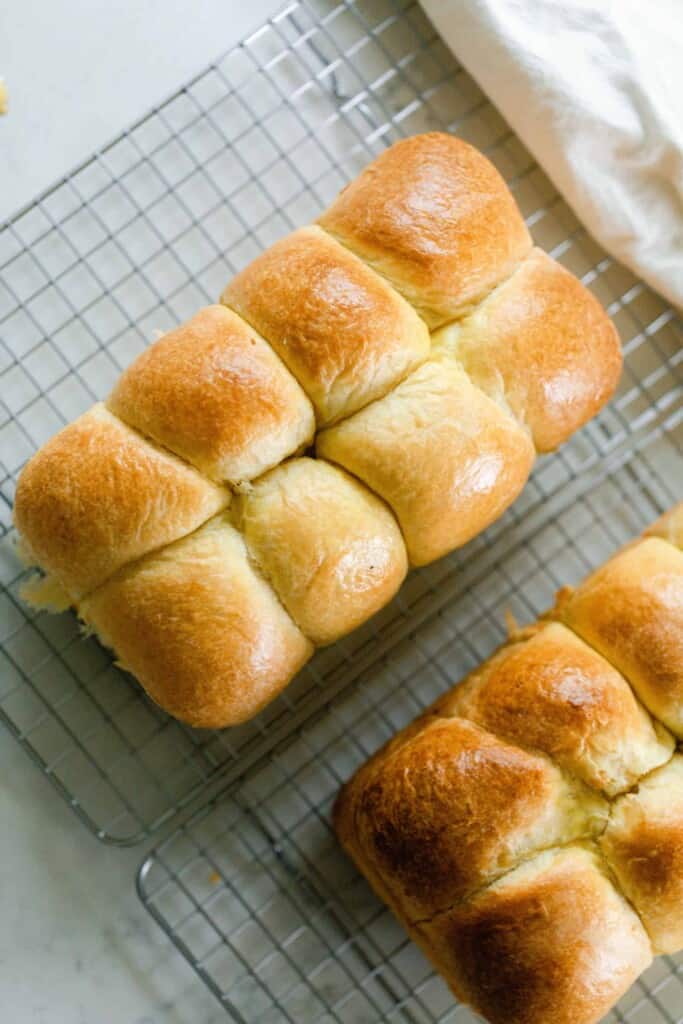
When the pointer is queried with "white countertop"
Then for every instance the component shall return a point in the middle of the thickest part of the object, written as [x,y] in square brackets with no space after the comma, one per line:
[76,947]
[78,71]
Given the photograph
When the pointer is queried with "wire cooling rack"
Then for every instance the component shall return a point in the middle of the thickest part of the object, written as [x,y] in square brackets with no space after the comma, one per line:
[256,892]
[150,228]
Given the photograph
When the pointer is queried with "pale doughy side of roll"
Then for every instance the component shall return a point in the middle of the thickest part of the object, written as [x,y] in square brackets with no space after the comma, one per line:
[543,345]
[331,549]
[446,459]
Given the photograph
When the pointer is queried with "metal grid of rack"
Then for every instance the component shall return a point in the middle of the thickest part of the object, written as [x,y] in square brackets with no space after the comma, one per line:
[255,890]
[150,228]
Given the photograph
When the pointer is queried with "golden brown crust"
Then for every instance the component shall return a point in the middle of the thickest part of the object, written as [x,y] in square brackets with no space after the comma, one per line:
[643,844]
[444,810]
[215,393]
[98,495]
[542,344]
[550,943]
[446,459]
[554,693]
[200,630]
[433,216]
[330,548]
[631,611]
[346,335]
[472,842]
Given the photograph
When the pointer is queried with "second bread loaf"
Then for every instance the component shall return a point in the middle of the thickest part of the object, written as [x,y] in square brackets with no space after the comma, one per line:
[527,828]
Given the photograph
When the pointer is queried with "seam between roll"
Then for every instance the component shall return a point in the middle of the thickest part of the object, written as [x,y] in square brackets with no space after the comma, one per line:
[454,320]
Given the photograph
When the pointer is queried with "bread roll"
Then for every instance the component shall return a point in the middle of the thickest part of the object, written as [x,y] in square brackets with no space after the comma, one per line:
[332,550]
[98,495]
[541,344]
[433,216]
[553,942]
[448,807]
[643,844]
[446,459]
[343,332]
[202,632]
[215,393]
[552,692]
[631,611]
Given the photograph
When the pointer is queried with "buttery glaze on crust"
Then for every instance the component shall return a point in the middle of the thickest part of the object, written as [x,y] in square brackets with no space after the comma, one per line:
[446,459]
[343,332]
[544,346]
[631,611]
[552,692]
[215,393]
[435,218]
[331,549]
[97,495]
[643,844]
[201,631]
[450,807]
[553,942]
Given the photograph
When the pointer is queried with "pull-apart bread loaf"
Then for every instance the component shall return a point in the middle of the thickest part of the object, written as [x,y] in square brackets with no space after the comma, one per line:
[527,828]
[423,440]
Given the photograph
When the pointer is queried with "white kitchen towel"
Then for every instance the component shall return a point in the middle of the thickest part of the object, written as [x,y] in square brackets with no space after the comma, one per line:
[594,88]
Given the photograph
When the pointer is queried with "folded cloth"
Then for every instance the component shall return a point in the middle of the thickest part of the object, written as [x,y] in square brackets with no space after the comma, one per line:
[594,89]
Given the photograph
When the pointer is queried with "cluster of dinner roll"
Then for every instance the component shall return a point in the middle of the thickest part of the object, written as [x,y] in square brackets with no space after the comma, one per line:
[189,518]
[527,829]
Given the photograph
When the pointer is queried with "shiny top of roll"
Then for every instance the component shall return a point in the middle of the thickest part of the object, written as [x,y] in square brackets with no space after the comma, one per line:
[343,332]
[432,215]
[447,807]
[215,393]
[98,495]
[552,692]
